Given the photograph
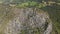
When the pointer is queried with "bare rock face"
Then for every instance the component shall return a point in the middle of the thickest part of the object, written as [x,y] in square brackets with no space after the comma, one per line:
[29,21]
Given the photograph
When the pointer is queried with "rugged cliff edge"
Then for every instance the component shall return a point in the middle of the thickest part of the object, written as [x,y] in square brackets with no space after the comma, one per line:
[28,21]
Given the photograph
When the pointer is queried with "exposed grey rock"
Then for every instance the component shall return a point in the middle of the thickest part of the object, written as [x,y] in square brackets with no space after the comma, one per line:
[29,21]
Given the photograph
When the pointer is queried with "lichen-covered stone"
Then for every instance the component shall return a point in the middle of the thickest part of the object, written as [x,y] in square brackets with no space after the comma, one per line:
[29,21]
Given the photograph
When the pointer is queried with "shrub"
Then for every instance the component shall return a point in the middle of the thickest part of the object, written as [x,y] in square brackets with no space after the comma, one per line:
[31,4]
[41,5]
[22,5]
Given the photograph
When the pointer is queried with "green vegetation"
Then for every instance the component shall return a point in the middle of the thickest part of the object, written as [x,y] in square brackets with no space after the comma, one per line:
[54,12]
[41,5]
[31,4]
[22,5]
